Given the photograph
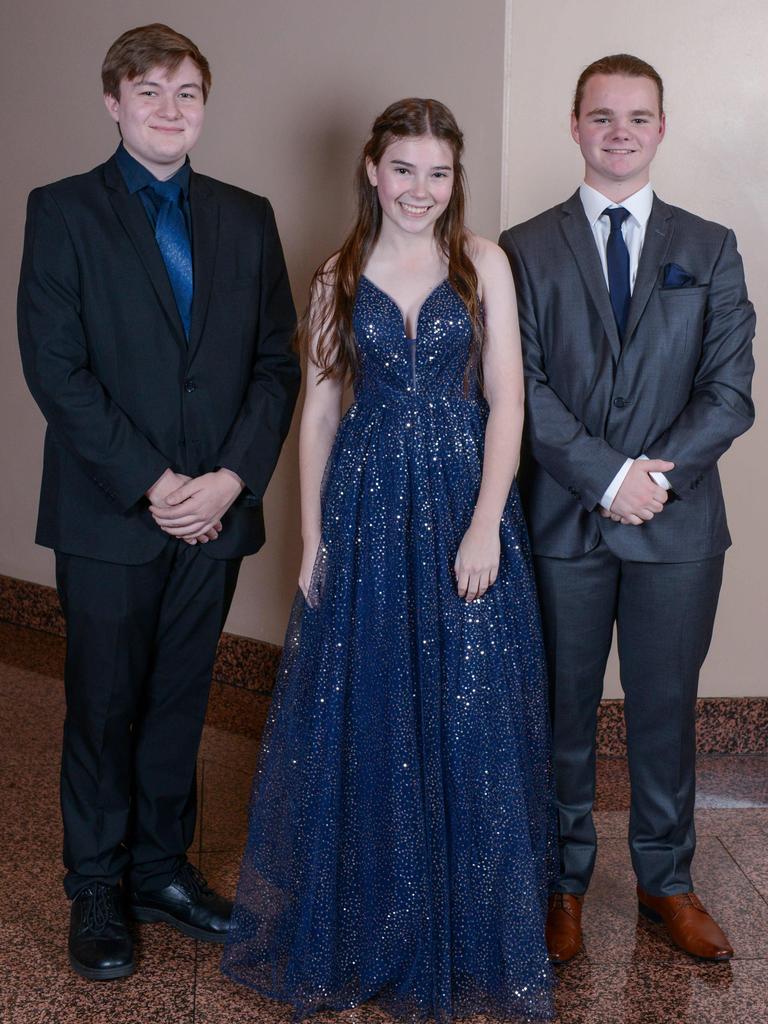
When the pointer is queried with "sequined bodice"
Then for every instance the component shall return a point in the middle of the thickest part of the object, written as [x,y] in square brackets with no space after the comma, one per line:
[402,831]
[432,364]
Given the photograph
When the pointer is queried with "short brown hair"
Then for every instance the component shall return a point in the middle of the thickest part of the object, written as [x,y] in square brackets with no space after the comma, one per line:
[149,46]
[618,64]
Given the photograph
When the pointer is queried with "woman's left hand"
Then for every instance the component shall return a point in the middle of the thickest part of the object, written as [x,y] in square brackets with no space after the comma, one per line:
[477,561]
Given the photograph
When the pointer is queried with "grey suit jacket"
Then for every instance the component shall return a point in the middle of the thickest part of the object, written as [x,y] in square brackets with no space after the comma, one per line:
[677,386]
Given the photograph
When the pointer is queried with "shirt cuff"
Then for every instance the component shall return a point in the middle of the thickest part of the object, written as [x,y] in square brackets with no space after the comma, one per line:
[613,488]
[658,478]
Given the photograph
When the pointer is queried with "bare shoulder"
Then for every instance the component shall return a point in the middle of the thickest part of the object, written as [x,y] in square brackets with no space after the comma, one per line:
[490,262]
[487,257]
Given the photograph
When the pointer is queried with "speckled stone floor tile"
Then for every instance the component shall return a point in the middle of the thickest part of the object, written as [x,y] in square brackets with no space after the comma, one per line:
[630,973]
[722,780]
[30,816]
[613,931]
[721,821]
[35,729]
[751,855]
[226,748]
[237,710]
[646,992]
[222,870]
[40,988]
[220,1001]
[732,780]
[226,792]
[732,821]
[36,732]
[32,648]
[32,686]
[612,786]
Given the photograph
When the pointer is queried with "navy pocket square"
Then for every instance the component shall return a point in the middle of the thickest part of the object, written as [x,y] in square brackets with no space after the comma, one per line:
[677,277]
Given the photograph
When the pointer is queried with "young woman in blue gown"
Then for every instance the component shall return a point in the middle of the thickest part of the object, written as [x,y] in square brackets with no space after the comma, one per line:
[401,833]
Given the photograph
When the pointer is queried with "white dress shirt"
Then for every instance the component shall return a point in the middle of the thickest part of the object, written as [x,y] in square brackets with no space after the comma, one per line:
[633,229]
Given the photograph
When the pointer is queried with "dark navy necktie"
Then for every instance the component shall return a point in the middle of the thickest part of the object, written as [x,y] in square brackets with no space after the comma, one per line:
[173,242]
[617,258]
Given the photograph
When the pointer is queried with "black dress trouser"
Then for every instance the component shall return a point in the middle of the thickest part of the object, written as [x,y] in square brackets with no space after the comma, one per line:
[664,614]
[141,642]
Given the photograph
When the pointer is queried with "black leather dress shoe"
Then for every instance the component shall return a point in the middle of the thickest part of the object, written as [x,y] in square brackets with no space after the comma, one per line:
[100,945]
[188,904]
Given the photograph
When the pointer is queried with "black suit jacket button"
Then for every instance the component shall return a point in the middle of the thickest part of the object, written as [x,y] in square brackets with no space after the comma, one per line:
[619,402]
[189,386]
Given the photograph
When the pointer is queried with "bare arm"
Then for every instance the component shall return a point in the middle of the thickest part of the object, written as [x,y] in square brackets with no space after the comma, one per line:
[477,561]
[320,419]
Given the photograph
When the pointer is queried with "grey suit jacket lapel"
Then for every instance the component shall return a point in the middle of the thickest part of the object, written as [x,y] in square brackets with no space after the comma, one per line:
[579,236]
[132,216]
[205,237]
[658,235]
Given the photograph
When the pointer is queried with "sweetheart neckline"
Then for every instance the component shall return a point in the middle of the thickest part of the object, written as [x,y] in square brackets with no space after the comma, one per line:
[390,299]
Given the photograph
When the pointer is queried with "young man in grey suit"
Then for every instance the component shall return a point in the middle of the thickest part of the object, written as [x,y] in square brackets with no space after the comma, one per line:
[637,336]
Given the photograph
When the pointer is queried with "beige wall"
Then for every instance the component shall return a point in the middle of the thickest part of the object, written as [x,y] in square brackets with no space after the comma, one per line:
[296,84]
[714,162]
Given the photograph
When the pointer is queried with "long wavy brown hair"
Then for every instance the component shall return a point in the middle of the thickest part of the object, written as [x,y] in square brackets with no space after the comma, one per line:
[328,318]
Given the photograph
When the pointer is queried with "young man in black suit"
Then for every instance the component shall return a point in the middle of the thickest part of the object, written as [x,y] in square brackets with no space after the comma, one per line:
[155,323]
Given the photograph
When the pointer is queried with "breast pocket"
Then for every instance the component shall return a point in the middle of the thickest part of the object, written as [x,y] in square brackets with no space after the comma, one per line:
[679,330]
[695,292]
[683,308]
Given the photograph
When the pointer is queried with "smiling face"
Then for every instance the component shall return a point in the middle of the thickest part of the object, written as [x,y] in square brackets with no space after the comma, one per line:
[618,130]
[160,116]
[414,181]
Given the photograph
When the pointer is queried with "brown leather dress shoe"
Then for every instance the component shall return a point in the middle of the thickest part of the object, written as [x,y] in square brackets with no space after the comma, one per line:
[563,931]
[688,924]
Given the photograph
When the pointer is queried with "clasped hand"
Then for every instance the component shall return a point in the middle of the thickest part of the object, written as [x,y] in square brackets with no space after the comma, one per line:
[192,508]
[477,561]
[639,498]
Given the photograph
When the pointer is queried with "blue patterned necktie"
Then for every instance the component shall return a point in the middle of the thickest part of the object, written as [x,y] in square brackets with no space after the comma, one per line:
[173,242]
[617,258]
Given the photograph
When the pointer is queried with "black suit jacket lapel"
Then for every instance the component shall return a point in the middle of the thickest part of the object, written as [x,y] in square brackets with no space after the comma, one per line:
[658,235]
[579,236]
[132,216]
[205,237]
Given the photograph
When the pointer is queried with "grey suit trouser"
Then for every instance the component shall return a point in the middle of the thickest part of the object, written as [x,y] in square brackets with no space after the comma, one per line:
[664,615]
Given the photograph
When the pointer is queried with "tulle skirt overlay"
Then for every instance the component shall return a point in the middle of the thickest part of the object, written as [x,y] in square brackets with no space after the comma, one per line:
[401,830]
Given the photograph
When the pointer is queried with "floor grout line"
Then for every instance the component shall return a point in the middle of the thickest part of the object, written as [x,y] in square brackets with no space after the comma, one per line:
[201,811]
[741,869]
[194,984]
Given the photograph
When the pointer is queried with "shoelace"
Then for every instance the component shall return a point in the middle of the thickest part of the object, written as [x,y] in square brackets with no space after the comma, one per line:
[99,904]
[558,903]
[193,879]
[689,899]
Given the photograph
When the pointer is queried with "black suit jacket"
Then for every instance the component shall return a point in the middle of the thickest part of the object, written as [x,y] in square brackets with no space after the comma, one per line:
[676,387]
[124,394]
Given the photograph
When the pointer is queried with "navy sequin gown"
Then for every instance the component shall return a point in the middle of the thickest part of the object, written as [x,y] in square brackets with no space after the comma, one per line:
[401,834]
